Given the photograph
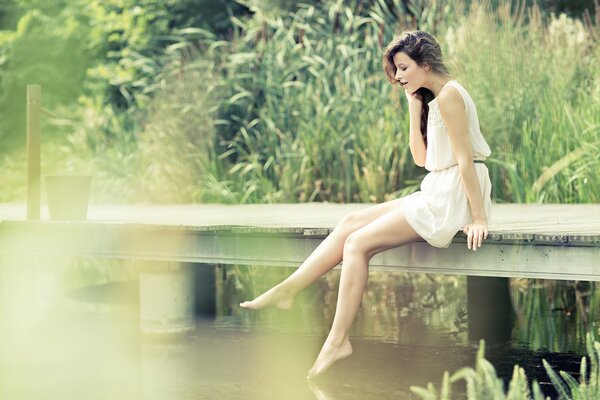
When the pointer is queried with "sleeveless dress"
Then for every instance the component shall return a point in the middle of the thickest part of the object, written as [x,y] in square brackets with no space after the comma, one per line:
[441,208]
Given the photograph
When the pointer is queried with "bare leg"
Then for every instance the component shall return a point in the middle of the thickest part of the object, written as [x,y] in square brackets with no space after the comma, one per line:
[388,231]
[324,258]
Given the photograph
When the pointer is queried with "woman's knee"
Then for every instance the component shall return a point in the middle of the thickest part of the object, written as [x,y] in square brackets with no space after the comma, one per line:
[349,223]
[353,245]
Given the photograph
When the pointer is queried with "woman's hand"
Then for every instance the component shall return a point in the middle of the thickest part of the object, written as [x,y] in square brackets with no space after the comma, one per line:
[476,232]
[415,100]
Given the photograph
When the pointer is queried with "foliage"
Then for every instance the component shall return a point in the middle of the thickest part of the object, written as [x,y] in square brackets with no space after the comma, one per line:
[102,49]
[299,124]
[538,112]
[187,89]
[8,15]
[131,35]
[45,50]
[483,382]
[588,386]
[554,315]
[288,107]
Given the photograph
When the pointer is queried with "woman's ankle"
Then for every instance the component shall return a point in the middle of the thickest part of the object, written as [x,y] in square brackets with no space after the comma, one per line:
[337,340]
[285,290]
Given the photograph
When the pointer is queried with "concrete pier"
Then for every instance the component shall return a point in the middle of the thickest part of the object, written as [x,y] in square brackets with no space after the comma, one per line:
[166,297]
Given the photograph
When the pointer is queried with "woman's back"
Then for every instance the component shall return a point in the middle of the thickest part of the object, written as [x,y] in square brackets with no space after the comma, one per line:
[439,150]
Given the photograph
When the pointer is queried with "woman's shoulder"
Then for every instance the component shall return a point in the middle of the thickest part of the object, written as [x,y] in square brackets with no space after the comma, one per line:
[448,95]
[461,88]
[457,85]
[452,92]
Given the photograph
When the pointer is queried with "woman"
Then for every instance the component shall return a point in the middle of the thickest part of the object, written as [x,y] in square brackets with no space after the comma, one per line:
[446,140]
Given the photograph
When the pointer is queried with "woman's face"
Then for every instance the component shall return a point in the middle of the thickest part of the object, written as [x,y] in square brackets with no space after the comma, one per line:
[410,75]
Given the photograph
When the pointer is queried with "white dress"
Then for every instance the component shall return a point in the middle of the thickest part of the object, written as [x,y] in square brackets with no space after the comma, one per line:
[441,208]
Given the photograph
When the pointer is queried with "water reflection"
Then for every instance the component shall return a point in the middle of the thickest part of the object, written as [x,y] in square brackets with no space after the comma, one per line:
[555,315]
[396,307]
[72,326]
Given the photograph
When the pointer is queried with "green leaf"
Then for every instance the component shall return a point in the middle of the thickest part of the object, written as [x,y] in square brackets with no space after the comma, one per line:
[238,96]
[572,384]
[423,393]
[445,391]
[558,383]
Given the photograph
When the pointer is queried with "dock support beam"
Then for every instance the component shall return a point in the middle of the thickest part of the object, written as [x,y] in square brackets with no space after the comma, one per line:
[489,309]
[166,297]
[172,294]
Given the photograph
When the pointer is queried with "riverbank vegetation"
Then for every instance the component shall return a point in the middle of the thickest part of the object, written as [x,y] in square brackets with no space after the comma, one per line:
[482,382]
[272,105]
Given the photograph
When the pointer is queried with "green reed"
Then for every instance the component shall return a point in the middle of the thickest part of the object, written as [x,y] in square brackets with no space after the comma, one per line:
[307,115]
[295,108]
[537,92]
[483,382]
[554,315]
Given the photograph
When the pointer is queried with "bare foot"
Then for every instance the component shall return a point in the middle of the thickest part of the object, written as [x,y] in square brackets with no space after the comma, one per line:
[329,354]
[275,296]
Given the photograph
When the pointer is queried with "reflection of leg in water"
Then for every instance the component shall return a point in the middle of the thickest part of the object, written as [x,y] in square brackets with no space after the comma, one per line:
[326,256]
[388,231]
[319,392]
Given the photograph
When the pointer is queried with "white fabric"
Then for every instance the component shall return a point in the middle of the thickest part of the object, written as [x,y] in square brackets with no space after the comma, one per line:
[441,208]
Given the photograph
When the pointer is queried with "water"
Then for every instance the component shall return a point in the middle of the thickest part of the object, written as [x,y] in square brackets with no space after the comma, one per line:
[62,339]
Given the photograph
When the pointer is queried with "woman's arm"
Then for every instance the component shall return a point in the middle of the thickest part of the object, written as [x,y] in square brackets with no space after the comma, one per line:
[452,110]
[417,144]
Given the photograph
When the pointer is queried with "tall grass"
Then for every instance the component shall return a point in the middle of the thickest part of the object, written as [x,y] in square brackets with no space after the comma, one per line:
[311,116]
[295,108]
[308,116]
[537,89]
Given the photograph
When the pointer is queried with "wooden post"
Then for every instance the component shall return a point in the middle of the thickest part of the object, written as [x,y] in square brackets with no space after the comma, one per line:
[34,104]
